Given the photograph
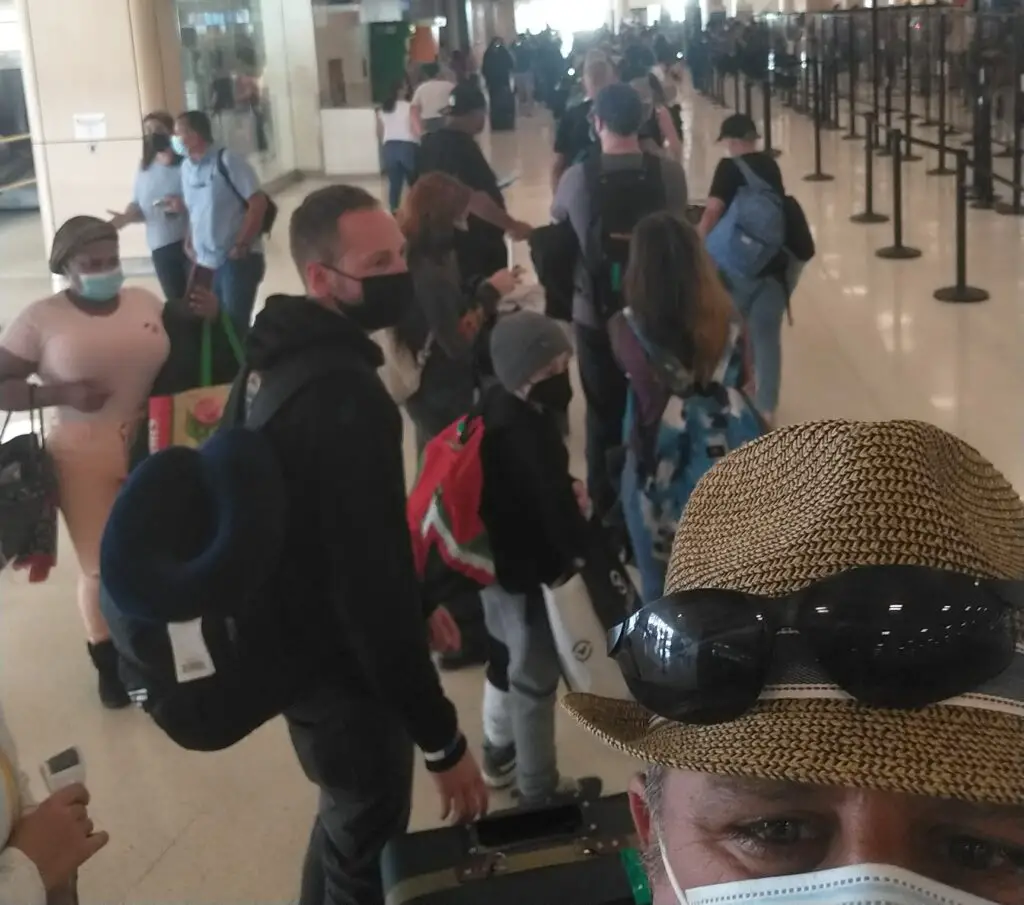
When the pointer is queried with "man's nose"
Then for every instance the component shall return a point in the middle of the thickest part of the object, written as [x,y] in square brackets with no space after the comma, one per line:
[875,829]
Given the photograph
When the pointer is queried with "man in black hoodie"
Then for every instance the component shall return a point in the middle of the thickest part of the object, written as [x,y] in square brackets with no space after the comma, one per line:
[348,557]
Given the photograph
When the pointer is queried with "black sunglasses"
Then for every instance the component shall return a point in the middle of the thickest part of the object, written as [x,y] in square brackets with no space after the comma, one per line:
[898,637]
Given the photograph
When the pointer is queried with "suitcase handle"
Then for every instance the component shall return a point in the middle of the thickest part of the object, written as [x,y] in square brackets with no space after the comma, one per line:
[524,829]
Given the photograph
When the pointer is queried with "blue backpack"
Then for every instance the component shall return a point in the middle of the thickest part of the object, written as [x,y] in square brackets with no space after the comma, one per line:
[752,232]
[687,427]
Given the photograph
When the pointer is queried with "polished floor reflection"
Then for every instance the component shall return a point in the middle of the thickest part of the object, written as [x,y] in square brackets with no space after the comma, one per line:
[868,341]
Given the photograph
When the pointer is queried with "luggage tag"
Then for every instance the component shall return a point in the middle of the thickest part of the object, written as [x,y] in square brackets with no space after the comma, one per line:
[192,660]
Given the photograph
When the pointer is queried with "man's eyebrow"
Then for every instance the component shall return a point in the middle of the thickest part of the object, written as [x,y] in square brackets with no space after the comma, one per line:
[974,810]
[773,790]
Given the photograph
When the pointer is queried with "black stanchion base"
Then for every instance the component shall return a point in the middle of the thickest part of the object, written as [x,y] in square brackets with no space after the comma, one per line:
[869,217]
[912,158]
[941,171]
[929,122]
[962,294]
[984,204]
[852,136]
[831,127]
[884,152]
[818,177]
[1007,209]
[1005,154]
[898,253]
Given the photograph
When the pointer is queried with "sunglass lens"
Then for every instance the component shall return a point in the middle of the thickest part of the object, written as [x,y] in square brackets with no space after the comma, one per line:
[696,658]
[906,638]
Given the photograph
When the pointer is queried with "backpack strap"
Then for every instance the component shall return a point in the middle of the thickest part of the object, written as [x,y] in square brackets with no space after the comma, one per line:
[278,385]
[752,179]
[222,168]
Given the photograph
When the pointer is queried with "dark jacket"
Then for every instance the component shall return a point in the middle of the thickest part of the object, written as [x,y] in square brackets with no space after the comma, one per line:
[451,317]
[348,560]
[528,505]
[481,250]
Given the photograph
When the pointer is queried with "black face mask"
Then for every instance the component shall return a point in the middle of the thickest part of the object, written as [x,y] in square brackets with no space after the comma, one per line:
[160,142]
[552,394]
[386,301]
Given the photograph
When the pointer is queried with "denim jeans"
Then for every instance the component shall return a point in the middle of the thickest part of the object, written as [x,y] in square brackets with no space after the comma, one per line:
[400,166]
[520,622]
[172,268]
[762,304]
[236,283]
[604,388]
[652,570]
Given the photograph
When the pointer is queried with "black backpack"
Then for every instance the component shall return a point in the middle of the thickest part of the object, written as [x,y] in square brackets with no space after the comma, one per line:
[257,674]
[619,199]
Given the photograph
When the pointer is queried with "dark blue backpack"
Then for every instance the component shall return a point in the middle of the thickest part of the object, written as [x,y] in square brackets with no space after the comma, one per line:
[752,232]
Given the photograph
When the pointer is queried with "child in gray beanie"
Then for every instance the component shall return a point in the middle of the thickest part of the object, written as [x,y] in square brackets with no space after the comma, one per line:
[533,510]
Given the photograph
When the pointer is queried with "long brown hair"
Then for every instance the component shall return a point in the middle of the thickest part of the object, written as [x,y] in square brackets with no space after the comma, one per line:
[430,211]
[677,298]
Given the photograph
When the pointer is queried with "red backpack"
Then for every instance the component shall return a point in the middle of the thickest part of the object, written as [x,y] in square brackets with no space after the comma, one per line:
[450,546]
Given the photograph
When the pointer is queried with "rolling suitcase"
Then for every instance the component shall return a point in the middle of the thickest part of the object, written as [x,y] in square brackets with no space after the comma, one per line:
[577,850]
[503,111]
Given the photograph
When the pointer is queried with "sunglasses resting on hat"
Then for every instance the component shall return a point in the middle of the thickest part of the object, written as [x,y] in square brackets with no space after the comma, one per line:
[895,637]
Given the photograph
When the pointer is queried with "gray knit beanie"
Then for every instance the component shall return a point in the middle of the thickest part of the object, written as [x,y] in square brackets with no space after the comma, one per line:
[524,343]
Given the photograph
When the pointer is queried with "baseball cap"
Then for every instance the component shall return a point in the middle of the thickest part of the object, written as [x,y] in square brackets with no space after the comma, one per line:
[465,98]
[620,108]
[738,126]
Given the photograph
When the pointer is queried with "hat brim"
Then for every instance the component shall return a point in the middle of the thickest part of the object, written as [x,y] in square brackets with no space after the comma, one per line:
[940,752]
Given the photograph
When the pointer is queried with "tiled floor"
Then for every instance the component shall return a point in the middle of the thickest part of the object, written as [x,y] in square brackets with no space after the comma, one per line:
[868,342]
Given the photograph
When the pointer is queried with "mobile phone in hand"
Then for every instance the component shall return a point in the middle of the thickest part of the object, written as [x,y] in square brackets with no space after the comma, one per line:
[63,770]
[200,278]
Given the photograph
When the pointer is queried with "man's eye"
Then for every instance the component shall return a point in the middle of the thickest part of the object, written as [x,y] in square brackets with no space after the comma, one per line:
[778,832]
[979,854]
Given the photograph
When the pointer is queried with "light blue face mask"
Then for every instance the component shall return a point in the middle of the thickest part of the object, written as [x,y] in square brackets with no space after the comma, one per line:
[178,146]
[100,287]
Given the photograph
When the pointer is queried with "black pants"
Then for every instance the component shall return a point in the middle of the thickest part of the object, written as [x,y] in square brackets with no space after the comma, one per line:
[362,759]
[172,268]
[604,388]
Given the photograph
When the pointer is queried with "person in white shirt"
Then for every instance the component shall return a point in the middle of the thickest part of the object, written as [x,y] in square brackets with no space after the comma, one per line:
[430,100]
[399,142]
[41,846]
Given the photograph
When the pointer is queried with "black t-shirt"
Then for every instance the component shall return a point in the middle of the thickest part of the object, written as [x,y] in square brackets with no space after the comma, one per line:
[574,135]
[728,178]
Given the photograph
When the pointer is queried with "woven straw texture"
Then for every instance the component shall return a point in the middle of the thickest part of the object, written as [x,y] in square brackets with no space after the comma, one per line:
[797,506]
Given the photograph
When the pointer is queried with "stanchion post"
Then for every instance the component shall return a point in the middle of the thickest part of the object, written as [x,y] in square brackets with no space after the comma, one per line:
[942,169]
[875,37]
[835,57]
[929,70]
[748,97]
[961,291]
[851,74]
[736,90]
[909,155]
[1014,207]
[983,190]
[766,103]
[897,251]
[817,175]
[869,215]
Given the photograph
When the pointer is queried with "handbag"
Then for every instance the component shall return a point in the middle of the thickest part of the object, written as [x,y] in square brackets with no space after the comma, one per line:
[582,608]
[190,417]
[29,499]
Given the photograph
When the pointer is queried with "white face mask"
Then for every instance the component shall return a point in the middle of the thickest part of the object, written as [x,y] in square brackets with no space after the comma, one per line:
[859,884]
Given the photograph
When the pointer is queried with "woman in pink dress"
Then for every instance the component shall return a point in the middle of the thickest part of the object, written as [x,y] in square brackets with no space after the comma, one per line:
[90,352]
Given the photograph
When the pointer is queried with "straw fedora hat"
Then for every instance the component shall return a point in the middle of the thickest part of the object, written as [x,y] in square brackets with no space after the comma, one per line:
[797,506]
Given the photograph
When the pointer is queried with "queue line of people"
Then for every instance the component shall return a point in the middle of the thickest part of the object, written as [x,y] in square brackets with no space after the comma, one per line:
[355,729]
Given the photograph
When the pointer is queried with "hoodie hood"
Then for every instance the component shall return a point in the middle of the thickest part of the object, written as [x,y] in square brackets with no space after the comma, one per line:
[294,324]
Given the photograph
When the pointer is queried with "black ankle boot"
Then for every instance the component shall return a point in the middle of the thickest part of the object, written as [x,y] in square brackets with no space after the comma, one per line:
[112,693]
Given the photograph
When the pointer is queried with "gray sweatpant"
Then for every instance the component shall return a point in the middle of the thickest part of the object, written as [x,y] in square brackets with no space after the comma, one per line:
[520,622]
